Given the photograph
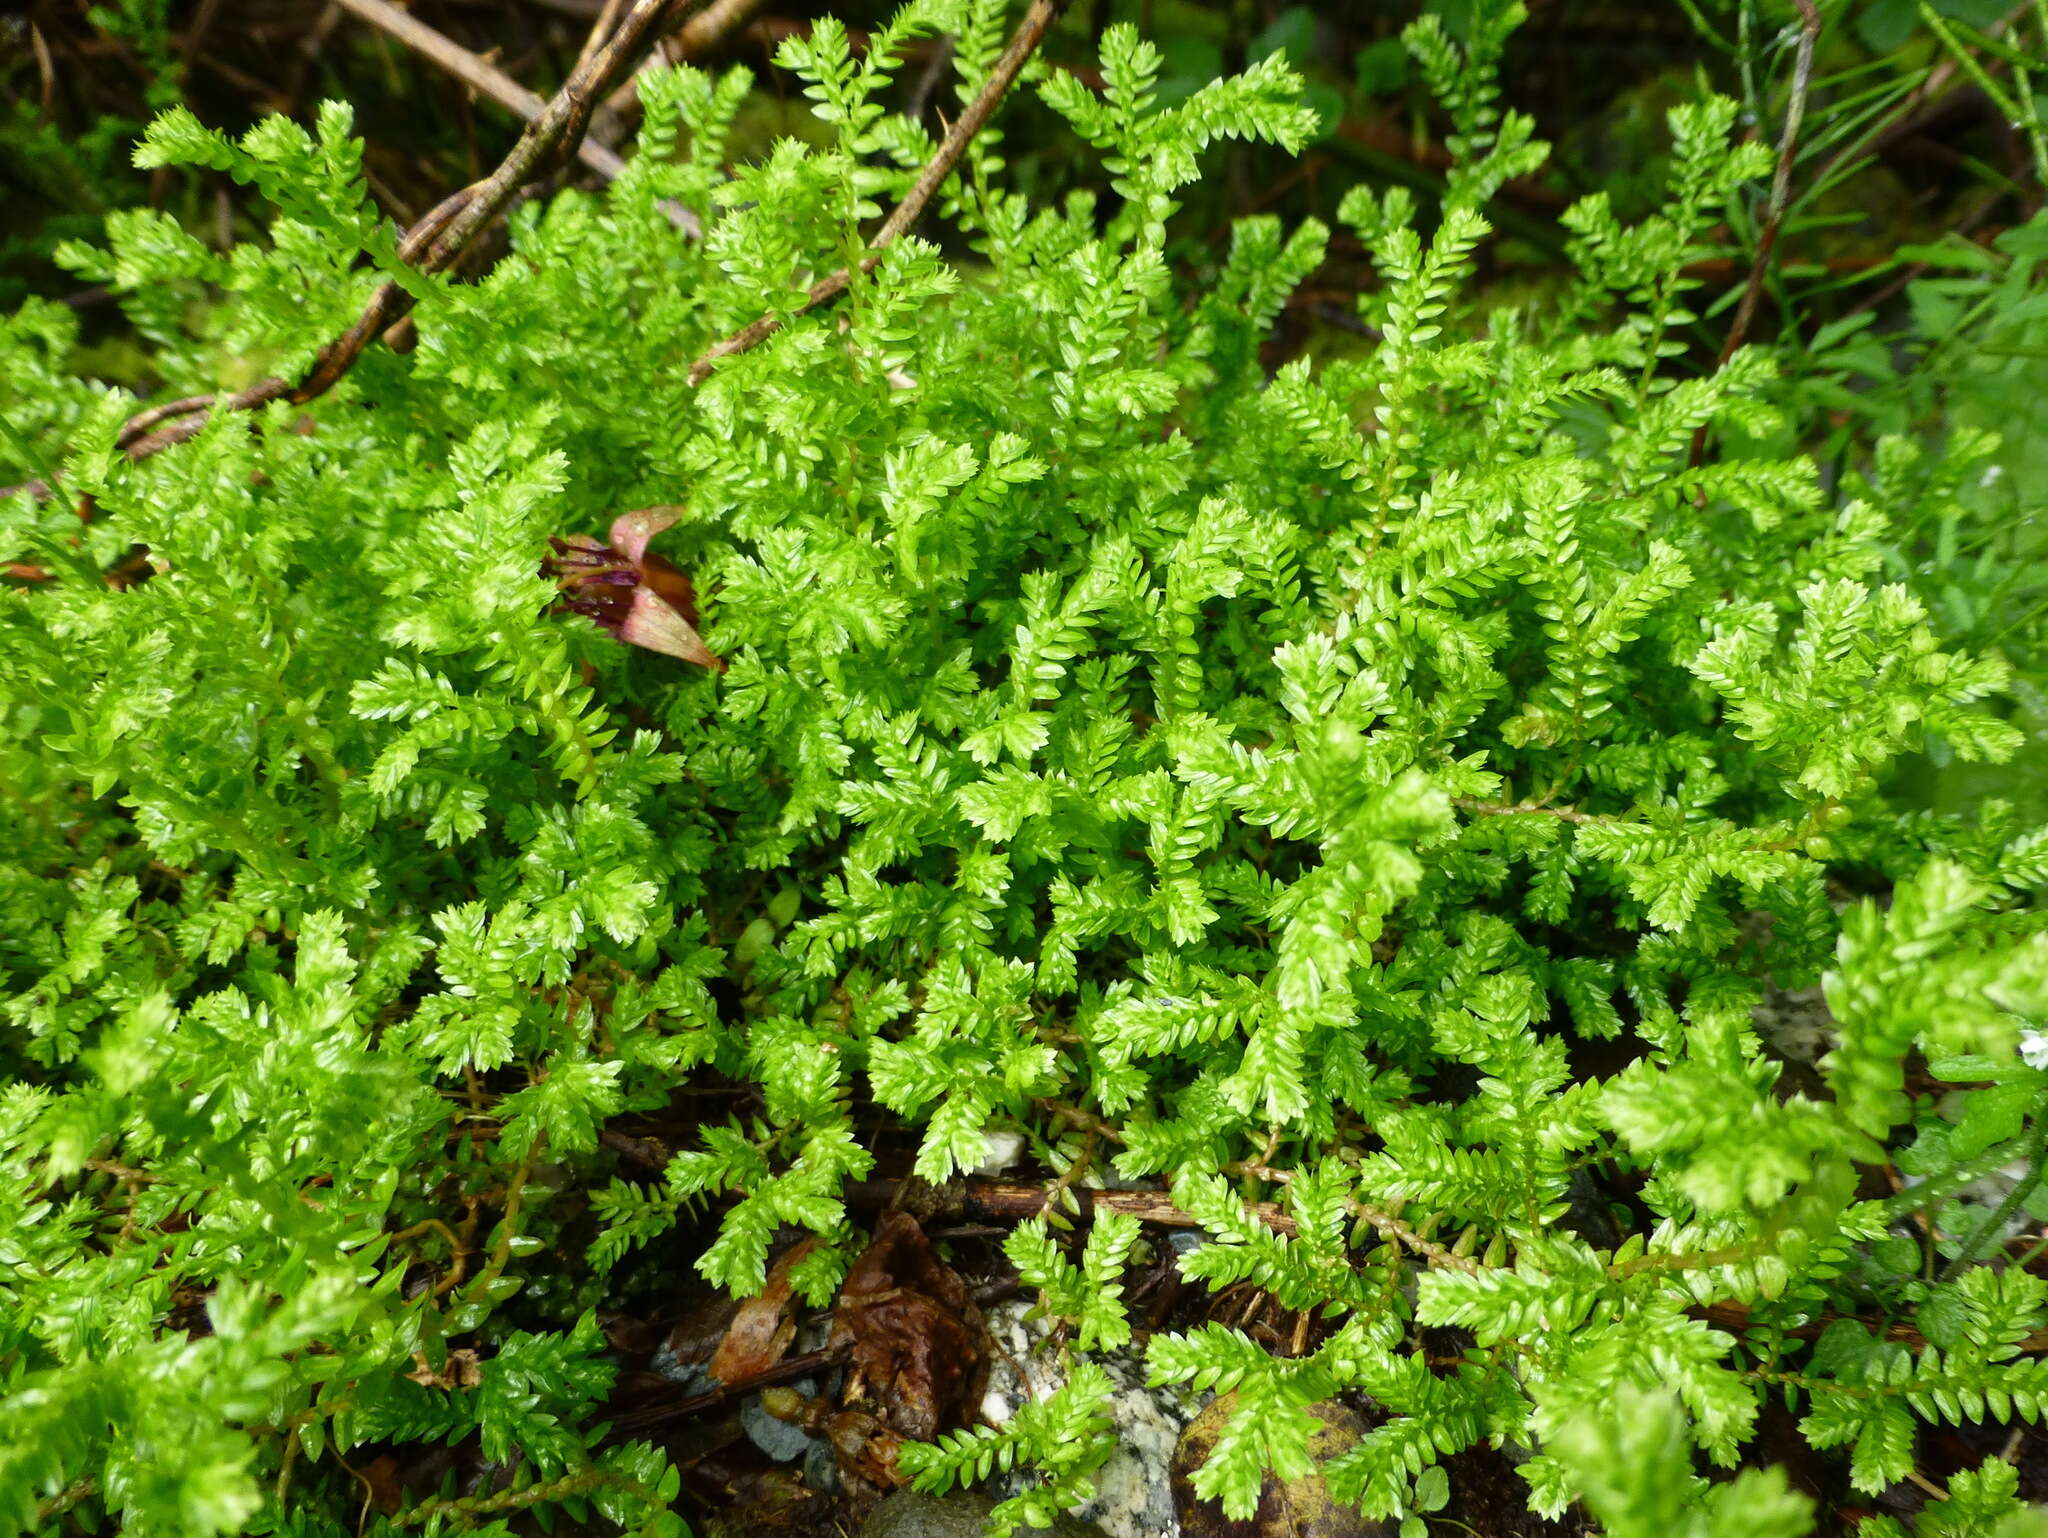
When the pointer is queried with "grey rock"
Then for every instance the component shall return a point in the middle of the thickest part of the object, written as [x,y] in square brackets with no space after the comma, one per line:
[1134,1496]
[999,1150]
[908,1514]
[821,1467]
[688,1377]
[777,1438]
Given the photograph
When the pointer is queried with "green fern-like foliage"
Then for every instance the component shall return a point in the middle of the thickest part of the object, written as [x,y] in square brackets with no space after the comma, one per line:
[1065,1436]
[1282,776]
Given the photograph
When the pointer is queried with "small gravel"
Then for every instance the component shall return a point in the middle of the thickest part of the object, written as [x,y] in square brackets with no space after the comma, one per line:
[1134,1493]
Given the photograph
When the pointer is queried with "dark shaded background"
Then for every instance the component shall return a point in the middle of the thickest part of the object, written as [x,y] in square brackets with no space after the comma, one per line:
[78,80]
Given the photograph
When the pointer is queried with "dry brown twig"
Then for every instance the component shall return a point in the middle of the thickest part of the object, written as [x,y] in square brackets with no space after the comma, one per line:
[699,34]
[185,417]
[46,71]
[1781,183]
[696,37]
[1024,42]
[1008,1199]
[607,18]
[645,1418]
[1774,210]
[560,123]
[434,243]
[480,76]
[65,1499]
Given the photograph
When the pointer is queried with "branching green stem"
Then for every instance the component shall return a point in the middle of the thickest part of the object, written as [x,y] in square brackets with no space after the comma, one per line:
[2037,1147]
[519,1500]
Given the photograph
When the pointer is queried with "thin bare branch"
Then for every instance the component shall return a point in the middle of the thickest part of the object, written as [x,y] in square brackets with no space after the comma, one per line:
[1024,42]
[1781,183]
[601,29]
[1774,210]
[65,1499]
[480,76]
[192,412]
[139,425]
[1004,1199]
[46,71]
[645,1418]
[696,37]
[561,123]
[436,241]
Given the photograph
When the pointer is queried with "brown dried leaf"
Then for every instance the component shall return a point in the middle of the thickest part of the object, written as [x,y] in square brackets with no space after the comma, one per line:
[701,1327]
[761,1331]
[641,598]
[865,1448]
[915,1336]
[380,1484]
[630,1335]
[463,1369]
[773,1503]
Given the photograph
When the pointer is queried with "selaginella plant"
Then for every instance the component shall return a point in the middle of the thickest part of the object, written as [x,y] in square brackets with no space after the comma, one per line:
[1384,787]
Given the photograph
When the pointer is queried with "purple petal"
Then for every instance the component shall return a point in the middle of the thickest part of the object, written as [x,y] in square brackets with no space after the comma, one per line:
[653,624]
[631,531]
[608,608]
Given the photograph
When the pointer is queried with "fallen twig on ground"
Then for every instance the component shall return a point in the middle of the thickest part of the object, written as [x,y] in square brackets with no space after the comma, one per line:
[634,1422]
[1005,1199]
